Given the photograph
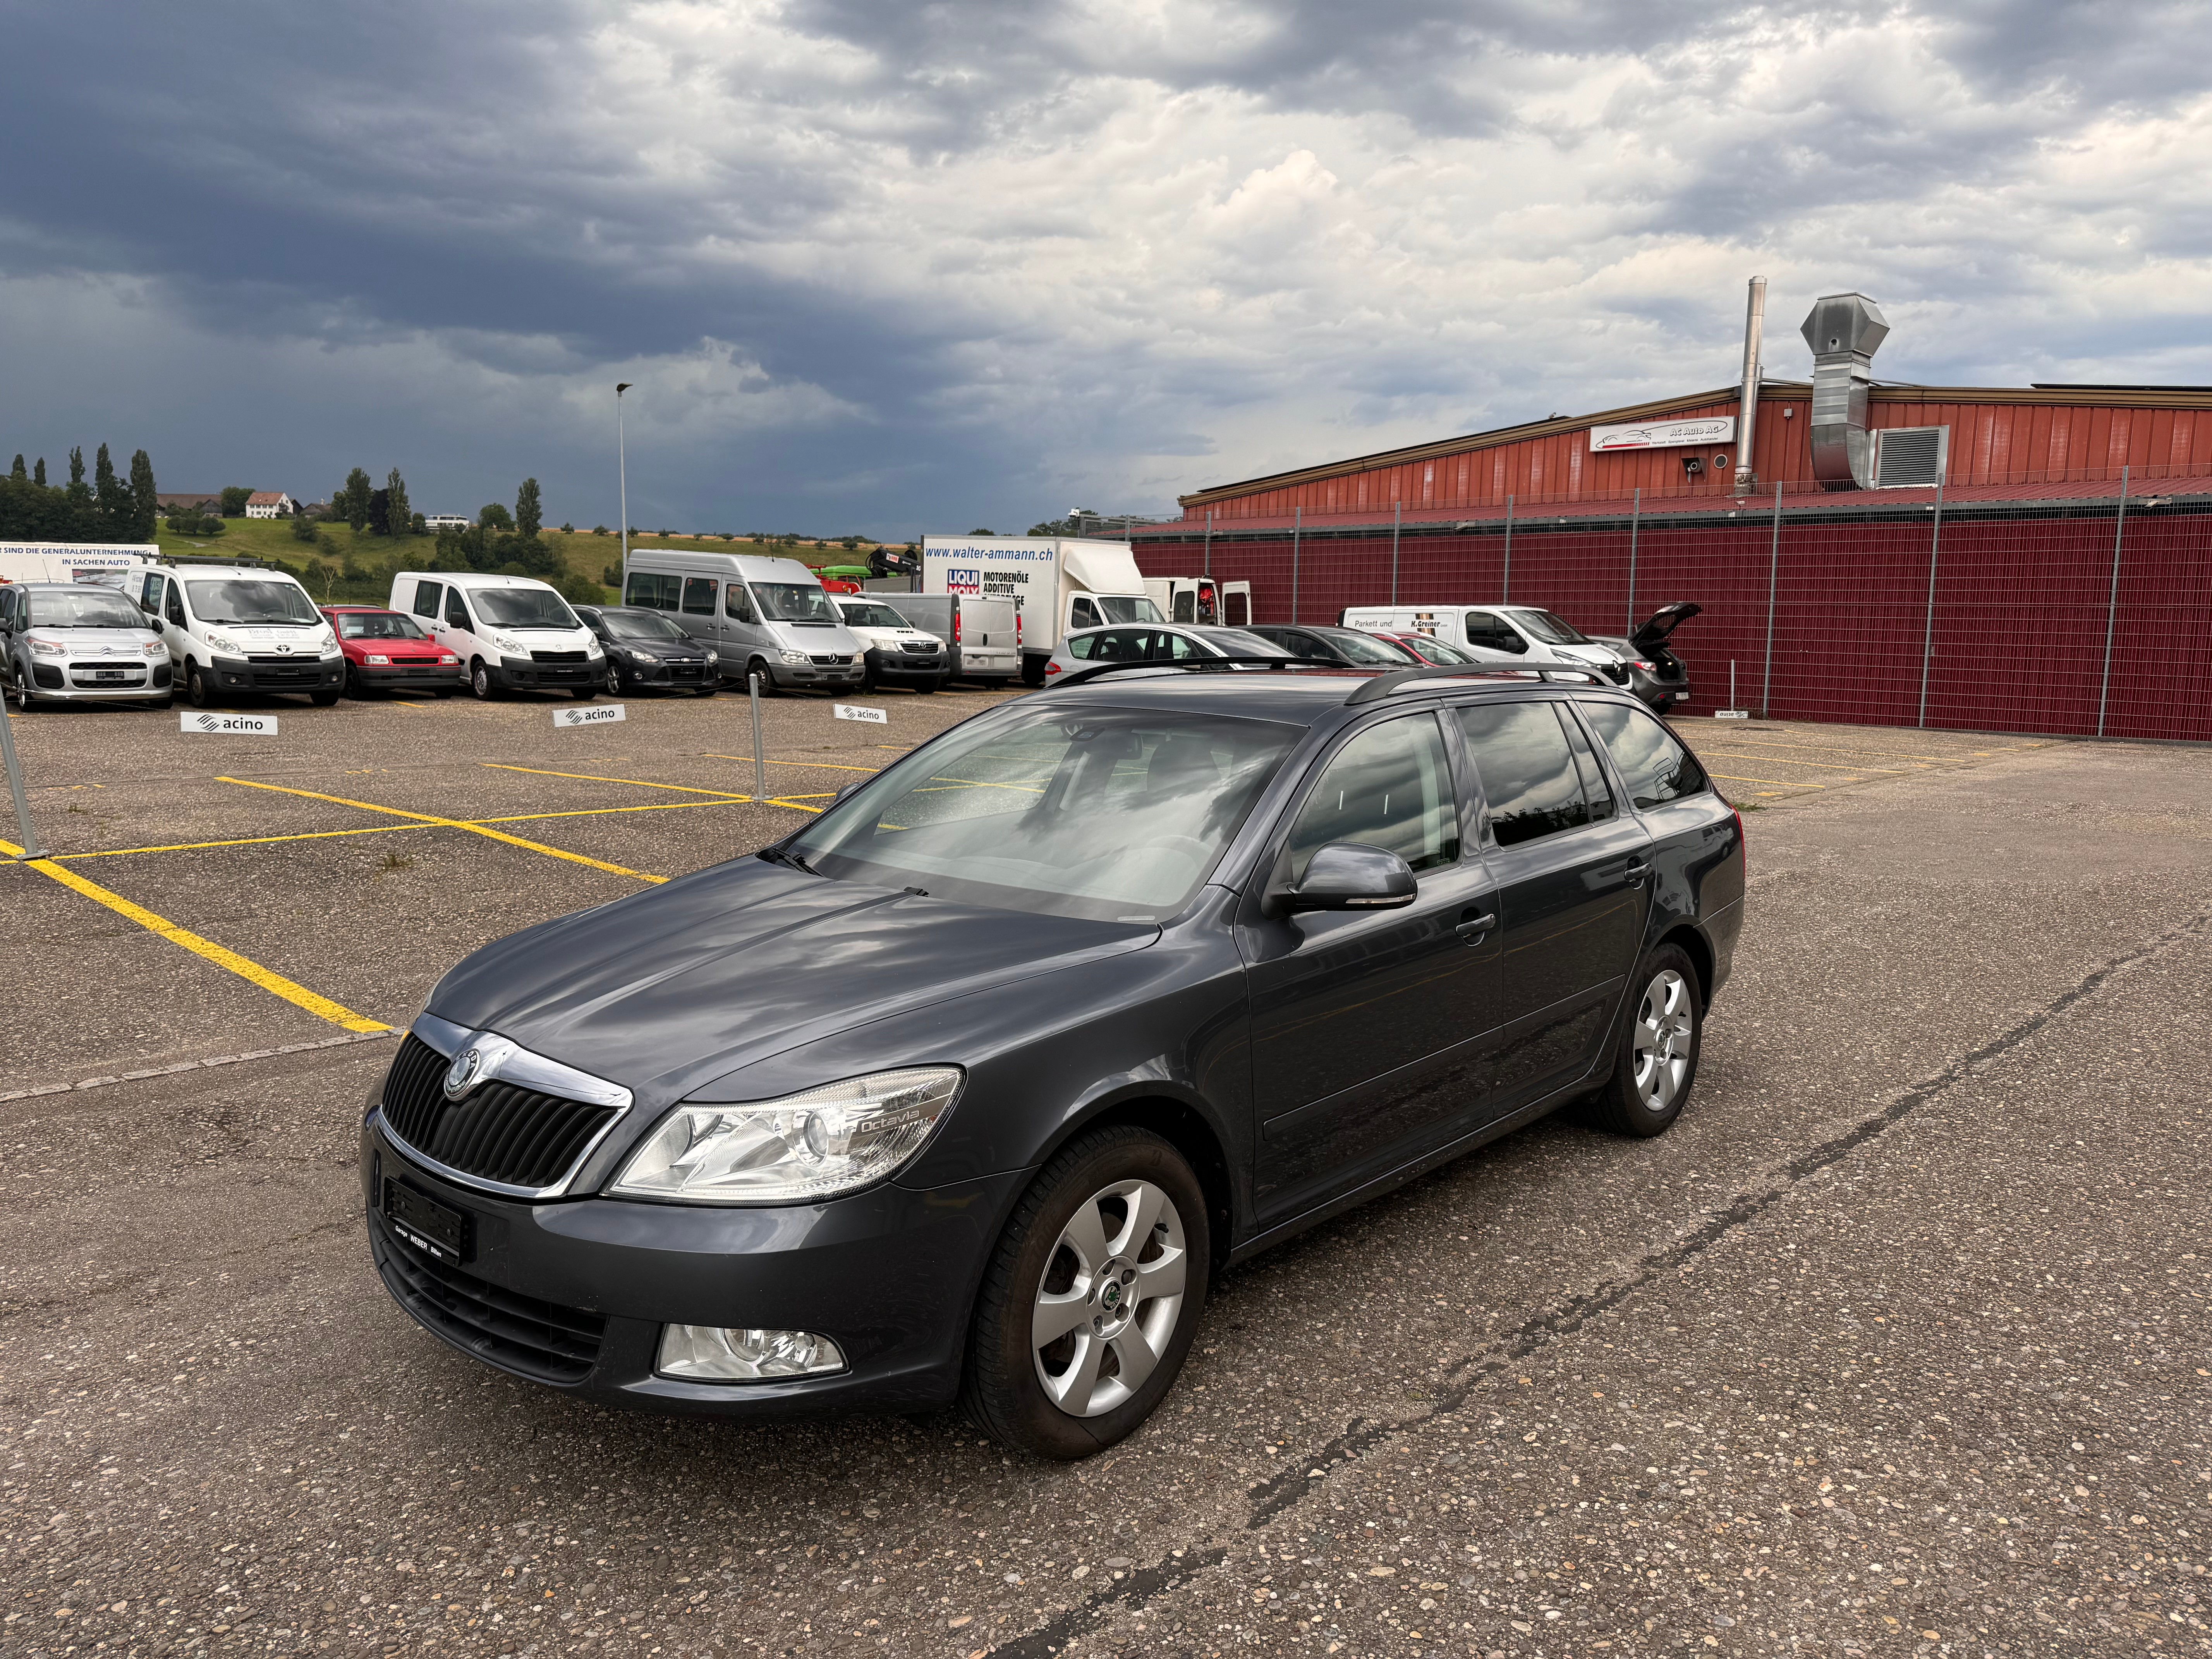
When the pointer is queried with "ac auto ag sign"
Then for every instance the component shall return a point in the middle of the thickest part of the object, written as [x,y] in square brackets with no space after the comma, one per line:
[1663,435]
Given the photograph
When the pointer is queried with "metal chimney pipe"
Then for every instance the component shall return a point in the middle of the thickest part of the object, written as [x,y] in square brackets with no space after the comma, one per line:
[1746,403]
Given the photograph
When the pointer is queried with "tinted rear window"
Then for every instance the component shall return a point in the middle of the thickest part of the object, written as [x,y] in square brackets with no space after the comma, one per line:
[1528,769]
[1651,761]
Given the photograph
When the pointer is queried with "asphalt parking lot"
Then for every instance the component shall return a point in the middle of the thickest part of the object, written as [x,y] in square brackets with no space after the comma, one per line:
[1897,1343]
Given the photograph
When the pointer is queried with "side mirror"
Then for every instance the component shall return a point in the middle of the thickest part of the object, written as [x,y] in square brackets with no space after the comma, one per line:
[1348,875]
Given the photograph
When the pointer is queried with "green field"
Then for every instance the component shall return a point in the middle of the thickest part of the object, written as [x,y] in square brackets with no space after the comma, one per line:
[344,566]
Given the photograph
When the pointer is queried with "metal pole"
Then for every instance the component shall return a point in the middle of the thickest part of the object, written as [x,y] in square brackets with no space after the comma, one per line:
[760,760]
[1505,587]
[1747,406]
[28,830]
[1635,522]
[1928,637]
[1298,519]
[1773,574]
[2111,616]
[1397,520]
[621,473]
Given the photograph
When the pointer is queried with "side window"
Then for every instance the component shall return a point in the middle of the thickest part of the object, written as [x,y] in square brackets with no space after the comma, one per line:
[1080,646]
[1595,790]
[1390,787]
[457,614]
[150,595]
[1085,615]
[738,603]
[1654,765]
[427,595]
[1176,648]
[173,603]
[1491,633]
[1527,770]
[699,596]
[640,590]
[1185,607]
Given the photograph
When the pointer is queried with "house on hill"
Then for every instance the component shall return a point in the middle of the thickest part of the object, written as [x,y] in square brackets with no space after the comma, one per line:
[188,501]
[270,504]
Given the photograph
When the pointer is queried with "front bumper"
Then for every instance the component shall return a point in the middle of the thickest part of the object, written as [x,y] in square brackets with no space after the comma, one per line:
[817,676]
[80,682]
[412,677]
[674,675]
[573,1295]
[518,675]
[908,664]
[289,674]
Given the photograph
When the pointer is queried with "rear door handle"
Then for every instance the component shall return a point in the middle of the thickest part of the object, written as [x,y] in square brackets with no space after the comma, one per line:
[1636,869]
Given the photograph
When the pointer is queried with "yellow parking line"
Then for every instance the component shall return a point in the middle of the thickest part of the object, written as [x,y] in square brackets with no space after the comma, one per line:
[822,766]
[589,777]
[1789,783]
[385,830]
[269,981]
[1893,753]
[453,823]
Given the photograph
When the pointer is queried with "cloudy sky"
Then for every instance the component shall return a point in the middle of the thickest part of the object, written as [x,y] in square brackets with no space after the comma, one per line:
[894,267]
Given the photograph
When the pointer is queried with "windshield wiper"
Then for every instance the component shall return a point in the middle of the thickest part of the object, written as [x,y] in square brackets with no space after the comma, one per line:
[792,860]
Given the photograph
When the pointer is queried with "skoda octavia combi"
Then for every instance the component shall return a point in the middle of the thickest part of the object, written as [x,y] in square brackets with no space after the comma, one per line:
[968,1088]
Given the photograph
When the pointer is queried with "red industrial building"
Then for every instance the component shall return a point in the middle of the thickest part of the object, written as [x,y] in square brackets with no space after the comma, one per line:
[2020,559]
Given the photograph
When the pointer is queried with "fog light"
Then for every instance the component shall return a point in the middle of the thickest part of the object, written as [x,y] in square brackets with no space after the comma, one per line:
[711,1353]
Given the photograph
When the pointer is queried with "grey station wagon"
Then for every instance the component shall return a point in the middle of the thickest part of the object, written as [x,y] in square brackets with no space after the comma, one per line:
[966,1089]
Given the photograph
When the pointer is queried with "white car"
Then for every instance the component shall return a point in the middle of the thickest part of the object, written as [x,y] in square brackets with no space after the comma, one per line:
[1513,629]
[1086,647]
[896,653]
[236,626]
[511,632]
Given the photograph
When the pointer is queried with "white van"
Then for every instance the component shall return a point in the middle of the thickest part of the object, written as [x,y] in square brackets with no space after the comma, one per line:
[898,653]
[1516,629]
[511,632]
[769,618]
[237,625]
[1056,583]
[1201,600]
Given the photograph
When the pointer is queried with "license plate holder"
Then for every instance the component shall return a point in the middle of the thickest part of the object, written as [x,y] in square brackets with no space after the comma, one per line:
[109,675]
[439,1230]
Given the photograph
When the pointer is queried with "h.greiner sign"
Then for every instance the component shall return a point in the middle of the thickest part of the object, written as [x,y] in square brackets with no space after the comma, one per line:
[1663,435]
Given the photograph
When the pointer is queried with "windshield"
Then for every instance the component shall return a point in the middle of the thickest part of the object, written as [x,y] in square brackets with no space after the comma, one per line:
[1436,650]
[1366,648]
[242,600]
[377,625]
[1113,815]
[641,625]
[1543,625]
[522,607]
[1116,610]
[100,608]
[867,613]
[793,602]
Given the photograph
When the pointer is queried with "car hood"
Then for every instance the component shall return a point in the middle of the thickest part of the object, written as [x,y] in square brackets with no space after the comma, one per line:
[1662,621]
[98,639]
[667,990]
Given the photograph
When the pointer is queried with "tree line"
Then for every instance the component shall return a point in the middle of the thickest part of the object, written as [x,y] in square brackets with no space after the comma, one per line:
[108,508]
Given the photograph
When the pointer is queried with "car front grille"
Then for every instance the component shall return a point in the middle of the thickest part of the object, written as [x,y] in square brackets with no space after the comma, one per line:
[557,656]
[541,1340]
[918,648]
[831,662]
[498,1132]
[281,662]
[90,673]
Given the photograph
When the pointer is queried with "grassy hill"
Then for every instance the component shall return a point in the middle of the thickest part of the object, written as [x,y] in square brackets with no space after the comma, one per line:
[343,566]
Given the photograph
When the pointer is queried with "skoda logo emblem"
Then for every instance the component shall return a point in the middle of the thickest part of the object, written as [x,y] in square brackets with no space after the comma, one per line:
[461,1075]
[1110,1298]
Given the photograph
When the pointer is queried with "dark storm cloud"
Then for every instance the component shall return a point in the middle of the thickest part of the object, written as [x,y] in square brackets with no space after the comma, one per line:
[895,264]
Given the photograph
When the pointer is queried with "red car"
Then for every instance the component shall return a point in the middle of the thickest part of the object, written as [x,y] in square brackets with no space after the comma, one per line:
[385,650]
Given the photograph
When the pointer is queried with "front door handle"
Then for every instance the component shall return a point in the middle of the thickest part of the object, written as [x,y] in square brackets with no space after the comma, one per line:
[1636,869]
[1473,924]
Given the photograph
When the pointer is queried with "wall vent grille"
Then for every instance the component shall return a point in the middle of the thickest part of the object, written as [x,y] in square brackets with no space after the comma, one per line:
[1911,456]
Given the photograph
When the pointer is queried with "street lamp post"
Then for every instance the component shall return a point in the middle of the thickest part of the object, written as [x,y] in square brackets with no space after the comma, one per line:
[621,472]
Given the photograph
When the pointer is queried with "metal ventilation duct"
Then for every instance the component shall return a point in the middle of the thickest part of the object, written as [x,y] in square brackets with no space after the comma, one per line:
[1845,331]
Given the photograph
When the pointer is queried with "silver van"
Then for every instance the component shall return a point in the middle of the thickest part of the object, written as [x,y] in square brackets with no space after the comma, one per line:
[767,617]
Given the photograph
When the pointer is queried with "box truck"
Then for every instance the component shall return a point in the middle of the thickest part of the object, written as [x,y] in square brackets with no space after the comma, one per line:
[1056,583]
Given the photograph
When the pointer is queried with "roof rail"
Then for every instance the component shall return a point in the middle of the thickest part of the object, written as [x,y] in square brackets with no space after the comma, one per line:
[214,558]
[1380,687]
[1204,663]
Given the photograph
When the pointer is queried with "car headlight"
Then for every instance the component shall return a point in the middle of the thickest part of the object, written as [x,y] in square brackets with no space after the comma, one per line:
[804,1147]
[379,660]
[795,656]
[713,657]
[449,661]
[636,655]
[223,642]
[513,647]
[154,648]
[591,651]
[49,649]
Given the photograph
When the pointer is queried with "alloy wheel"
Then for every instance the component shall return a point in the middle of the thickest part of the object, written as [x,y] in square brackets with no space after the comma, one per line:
[1663,1035]
[1107,1307]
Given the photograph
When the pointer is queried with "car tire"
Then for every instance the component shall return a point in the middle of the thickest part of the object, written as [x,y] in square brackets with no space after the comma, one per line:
[1654,1064]
[323,699]
[196,686]
[759,670]
[1055,1266]
[480,686]
[354,688]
